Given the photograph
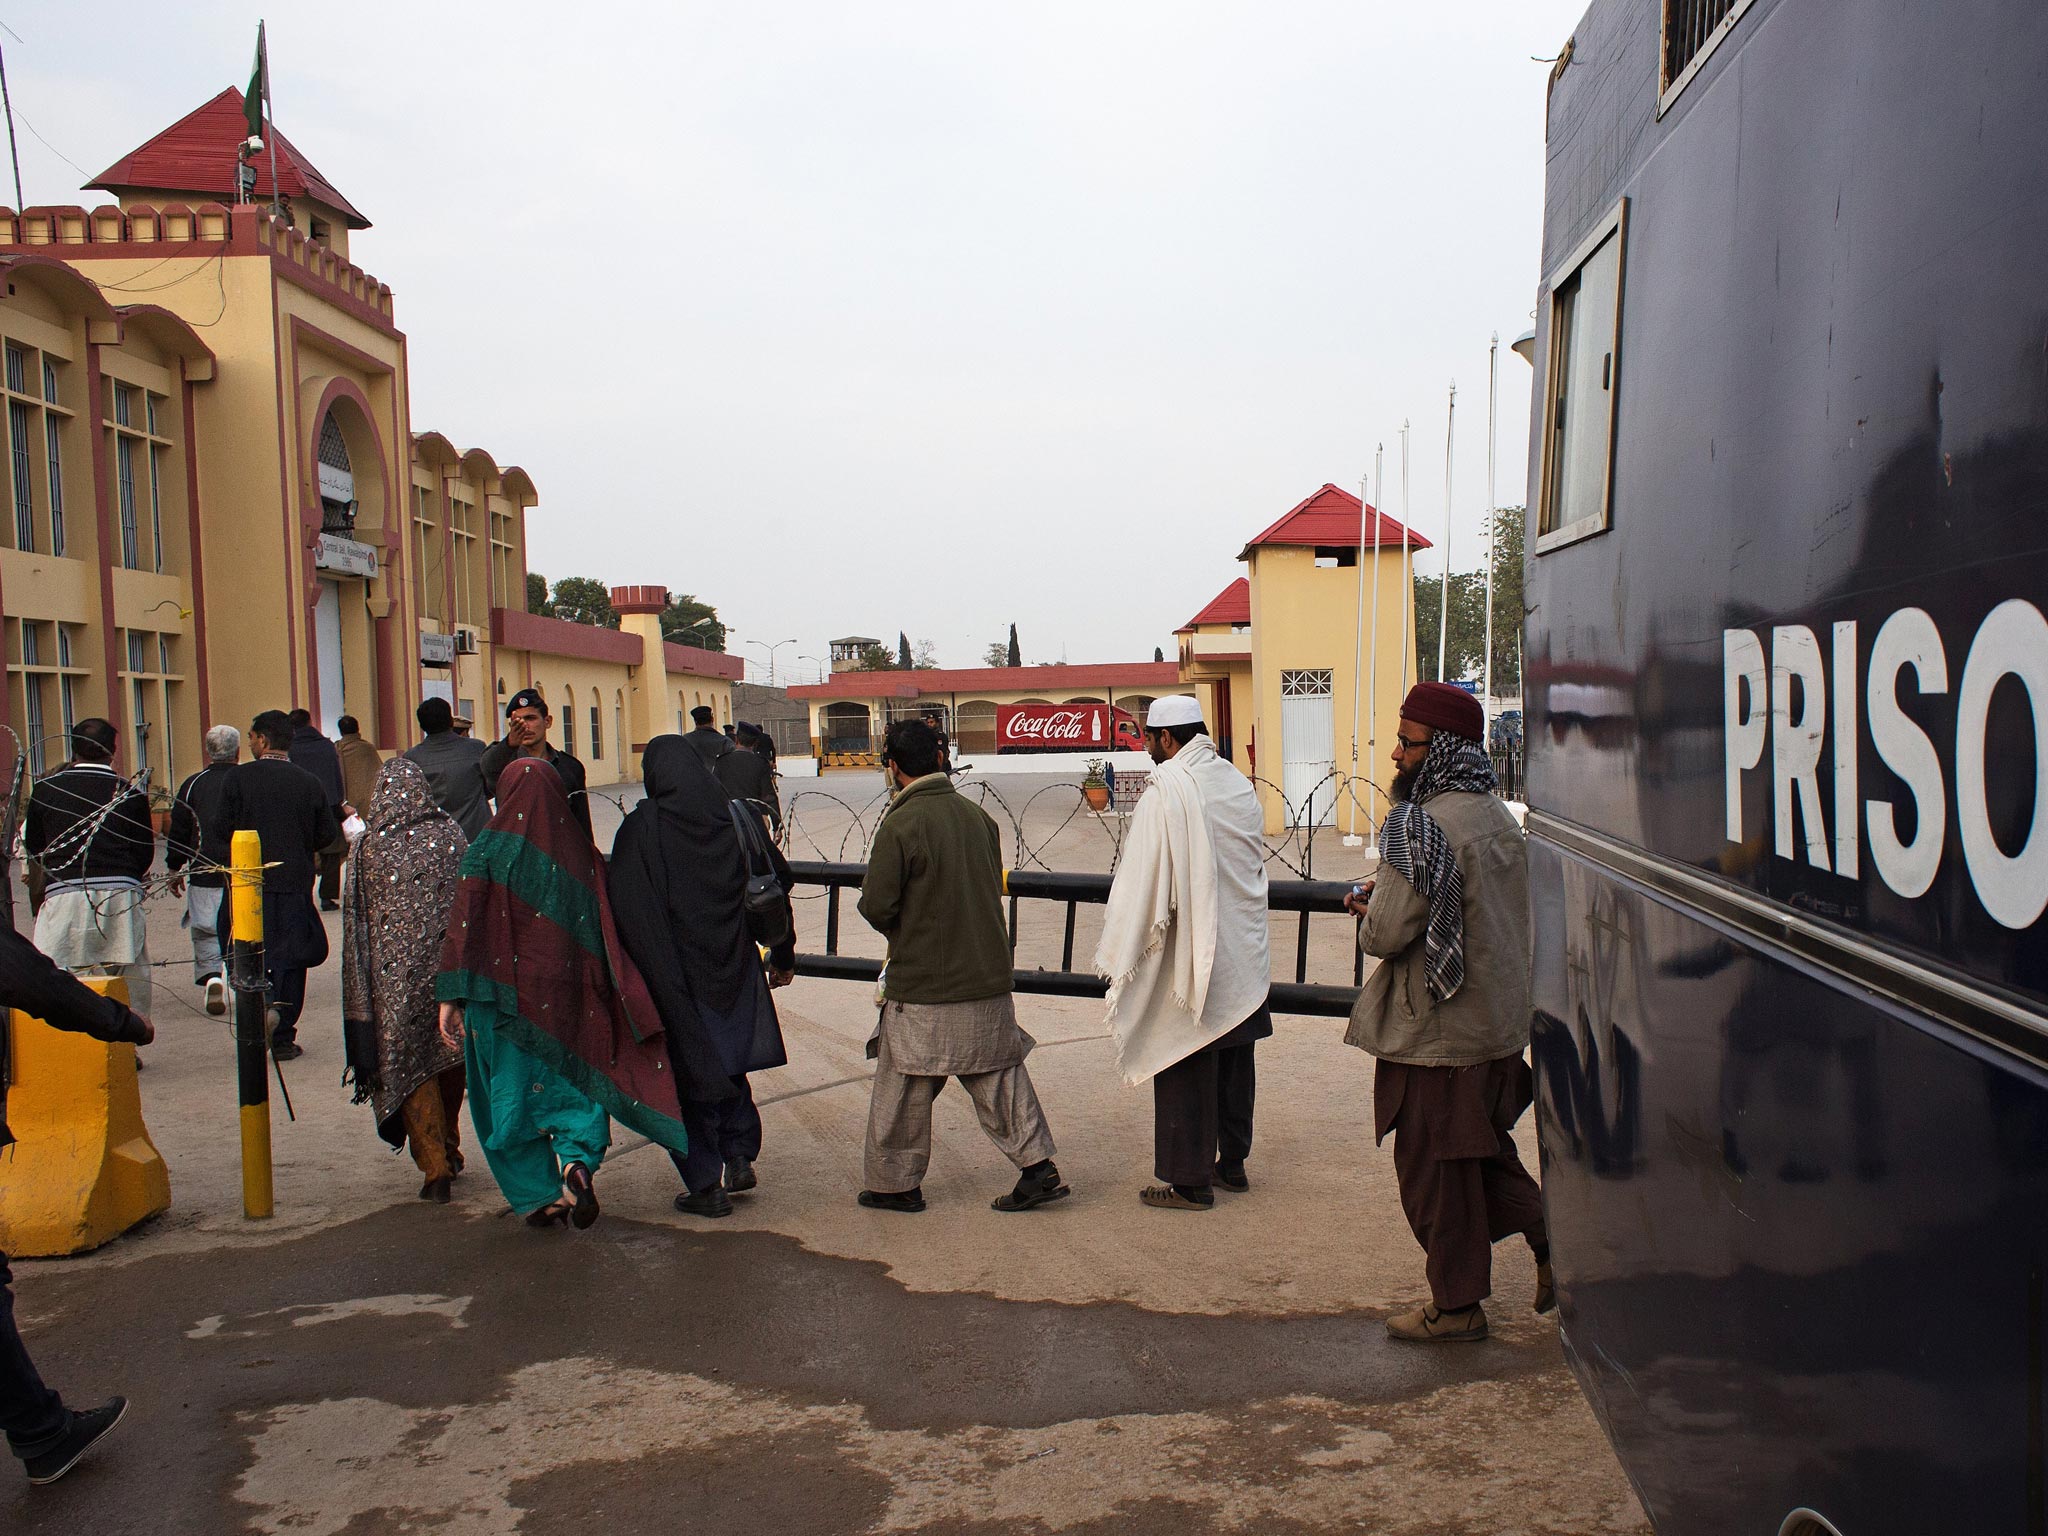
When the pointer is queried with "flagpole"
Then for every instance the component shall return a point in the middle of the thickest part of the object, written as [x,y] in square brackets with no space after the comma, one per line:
[13,153]
[1443,625]
[270,106]
[1372,707]
[1408,573]
[1357,665]
[1492,516]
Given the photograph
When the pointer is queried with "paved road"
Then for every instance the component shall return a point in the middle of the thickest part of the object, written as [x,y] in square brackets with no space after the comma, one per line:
[367,1364]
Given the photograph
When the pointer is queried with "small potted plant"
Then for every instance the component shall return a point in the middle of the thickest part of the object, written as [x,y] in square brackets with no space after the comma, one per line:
[1095,787]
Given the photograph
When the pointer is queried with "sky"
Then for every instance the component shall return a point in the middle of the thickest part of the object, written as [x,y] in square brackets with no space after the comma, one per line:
[903,315]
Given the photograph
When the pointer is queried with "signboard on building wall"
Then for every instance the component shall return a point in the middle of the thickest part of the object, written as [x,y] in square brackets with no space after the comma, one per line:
[345,557]
[437,650]
[336,484]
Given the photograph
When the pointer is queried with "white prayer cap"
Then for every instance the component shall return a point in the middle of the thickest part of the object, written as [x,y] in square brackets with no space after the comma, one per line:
[1174,709]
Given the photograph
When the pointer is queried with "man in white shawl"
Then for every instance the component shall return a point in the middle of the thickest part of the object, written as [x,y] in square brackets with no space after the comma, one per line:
[1184,949]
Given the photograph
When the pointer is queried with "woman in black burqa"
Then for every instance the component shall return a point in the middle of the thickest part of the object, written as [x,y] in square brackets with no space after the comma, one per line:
[678,888]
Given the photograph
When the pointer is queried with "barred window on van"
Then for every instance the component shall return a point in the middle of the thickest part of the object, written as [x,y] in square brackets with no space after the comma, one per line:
[1693,29]
[1581,383]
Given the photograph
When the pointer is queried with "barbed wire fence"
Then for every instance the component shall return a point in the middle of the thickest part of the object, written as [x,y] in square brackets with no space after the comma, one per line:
[1293,848]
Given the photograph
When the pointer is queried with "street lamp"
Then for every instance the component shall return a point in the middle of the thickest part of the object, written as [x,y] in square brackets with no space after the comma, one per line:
[771,650]
[701,624]
[824,668]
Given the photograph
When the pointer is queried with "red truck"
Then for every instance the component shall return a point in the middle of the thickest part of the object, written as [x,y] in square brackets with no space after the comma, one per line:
[1066,728]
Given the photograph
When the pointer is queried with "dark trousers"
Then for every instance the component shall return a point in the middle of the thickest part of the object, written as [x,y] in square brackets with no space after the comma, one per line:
[1202,1115]
[718,1132]
[32,1415]
[331,860]
[1463,1186]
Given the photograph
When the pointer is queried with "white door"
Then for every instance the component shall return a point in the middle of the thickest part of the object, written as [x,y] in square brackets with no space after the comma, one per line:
[330,704]
[1308,744]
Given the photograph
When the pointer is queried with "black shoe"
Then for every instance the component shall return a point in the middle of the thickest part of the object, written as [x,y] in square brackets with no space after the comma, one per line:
[906,1200]
[710,1202]
[576,1184]
[436,1190]
[87,1426]
[1231,1177]
[1032,1189]
[286,1050]
[739,1175]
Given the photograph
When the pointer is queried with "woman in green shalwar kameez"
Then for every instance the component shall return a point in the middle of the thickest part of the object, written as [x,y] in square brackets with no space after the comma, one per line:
[560,1034]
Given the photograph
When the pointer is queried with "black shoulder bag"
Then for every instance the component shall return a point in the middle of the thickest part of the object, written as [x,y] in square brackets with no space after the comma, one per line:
[766,902]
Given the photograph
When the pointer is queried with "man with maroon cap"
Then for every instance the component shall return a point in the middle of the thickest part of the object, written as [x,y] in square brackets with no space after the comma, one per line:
[1446,1012]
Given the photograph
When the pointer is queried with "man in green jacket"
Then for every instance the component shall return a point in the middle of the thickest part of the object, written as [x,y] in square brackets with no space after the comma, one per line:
[934,888]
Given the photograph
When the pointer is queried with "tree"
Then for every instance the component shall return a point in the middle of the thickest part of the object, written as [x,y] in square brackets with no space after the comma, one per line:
[1465,659]
[1507,600]
[585,600]
[1468,618]
[537,594]
[875,658]
[925,656]
[687,621]
[1013,657]
[903,661]
[997,654]
[1158,654]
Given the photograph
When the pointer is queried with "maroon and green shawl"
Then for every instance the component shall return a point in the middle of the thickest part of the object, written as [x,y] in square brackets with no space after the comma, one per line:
[532,952]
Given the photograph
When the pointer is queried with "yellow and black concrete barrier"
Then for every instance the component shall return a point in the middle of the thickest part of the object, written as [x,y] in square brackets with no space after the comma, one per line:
[83,1169]
[252,1027]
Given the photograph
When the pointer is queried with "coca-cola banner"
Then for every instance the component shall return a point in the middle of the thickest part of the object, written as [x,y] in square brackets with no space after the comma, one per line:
[1065,728]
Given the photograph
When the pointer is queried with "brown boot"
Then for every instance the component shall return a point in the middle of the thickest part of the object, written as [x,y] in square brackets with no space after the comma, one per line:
[1430,1325]
[1546,1288]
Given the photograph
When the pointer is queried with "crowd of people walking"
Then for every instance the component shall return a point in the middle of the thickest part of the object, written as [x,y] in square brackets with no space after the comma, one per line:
[489,952]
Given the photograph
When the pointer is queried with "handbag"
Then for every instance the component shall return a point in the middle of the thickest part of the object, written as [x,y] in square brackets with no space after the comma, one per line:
[766,902]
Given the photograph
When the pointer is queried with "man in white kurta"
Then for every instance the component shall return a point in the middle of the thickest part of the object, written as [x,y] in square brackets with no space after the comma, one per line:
[1184,948]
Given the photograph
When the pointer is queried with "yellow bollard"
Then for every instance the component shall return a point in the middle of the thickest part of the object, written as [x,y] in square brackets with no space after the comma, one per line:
[83,1170]
[252,1028]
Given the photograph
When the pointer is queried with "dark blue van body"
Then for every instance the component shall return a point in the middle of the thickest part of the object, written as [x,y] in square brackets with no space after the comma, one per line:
[1787,755]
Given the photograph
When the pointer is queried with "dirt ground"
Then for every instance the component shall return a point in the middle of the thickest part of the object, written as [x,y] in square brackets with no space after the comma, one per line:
[364,1363]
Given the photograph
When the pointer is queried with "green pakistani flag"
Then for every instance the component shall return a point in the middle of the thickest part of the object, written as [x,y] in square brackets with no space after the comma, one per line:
[253,99]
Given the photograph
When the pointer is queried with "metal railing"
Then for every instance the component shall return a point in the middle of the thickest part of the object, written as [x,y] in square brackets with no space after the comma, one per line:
[1305,897]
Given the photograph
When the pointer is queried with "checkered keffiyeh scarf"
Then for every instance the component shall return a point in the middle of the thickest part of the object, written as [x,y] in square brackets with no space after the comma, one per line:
[1415,846]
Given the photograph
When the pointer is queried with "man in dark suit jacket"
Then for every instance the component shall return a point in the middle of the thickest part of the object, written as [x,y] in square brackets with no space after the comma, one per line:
[295,817]
[311,750]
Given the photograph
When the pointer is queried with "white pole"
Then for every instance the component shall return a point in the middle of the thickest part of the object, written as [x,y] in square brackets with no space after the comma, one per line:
[1492,433]
[1407,573]
[1443,625]
[1357,662]
[1372,707]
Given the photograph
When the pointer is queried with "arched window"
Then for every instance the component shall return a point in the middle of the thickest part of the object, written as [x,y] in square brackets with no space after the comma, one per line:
[337,481]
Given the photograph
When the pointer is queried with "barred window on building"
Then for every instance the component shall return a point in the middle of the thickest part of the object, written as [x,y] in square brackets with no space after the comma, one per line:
[34,419]
[154,691]
[504,568]
[141,459]
[430,568]
[39,670]
[462,527]
[1307,683]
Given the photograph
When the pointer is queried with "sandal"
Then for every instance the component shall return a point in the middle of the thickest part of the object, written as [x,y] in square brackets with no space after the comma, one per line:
[1167,1198]
[554,1215]
[1043,1190]
[581,1195]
